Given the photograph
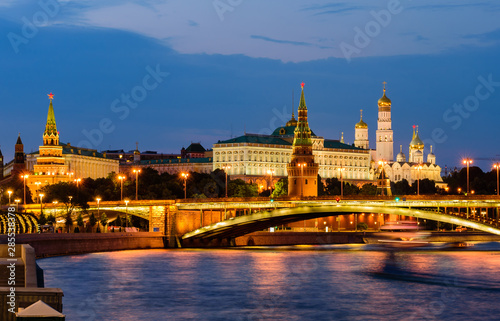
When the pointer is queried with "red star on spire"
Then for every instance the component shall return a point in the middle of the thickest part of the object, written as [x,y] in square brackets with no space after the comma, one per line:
[302,85]
[51,96]
[414,126]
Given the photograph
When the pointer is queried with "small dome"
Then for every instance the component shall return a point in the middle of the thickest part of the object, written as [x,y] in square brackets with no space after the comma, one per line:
[416,142]
[418,153]
[361,124]
[401,157]
[292,122]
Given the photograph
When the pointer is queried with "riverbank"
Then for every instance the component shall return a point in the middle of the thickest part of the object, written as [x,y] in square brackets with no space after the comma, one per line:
[56,244]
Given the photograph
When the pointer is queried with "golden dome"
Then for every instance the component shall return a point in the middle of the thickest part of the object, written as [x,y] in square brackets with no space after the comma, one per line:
[416,142]
[361,123]
[384,101]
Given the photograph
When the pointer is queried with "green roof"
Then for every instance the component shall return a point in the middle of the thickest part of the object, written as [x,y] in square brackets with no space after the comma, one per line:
[255,139]
[177,161]
[287,131]
[338,145]
[50,127]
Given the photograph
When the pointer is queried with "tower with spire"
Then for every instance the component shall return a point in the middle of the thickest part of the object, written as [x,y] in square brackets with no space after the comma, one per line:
[50,167]
[19,157]
[302,170]
[361,133]
[416,148]
[385,149]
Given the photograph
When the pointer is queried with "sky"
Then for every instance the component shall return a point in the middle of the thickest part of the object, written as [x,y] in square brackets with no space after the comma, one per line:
[168,73]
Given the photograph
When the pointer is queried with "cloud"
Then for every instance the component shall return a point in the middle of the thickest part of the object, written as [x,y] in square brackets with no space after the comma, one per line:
[314,31]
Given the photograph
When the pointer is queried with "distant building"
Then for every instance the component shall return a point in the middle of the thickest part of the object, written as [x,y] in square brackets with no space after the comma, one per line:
[195,150]
[56,162]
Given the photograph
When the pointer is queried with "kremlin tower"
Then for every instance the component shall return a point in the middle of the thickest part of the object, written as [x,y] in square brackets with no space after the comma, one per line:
[384,131]
[302,170]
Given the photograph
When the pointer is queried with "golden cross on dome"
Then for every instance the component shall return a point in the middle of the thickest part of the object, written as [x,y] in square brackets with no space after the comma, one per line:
[51,96]
[302,85]
[384,85]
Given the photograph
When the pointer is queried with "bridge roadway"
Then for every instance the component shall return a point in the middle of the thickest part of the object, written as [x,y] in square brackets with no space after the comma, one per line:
[287,212]
[240,216]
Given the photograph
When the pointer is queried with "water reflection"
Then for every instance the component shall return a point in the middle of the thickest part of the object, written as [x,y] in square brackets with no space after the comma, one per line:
[270,285]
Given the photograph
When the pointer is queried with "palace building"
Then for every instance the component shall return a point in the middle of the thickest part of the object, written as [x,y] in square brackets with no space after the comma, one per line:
[264,159]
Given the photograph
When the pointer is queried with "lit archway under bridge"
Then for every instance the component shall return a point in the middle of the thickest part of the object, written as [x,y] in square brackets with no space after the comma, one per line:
[242,225]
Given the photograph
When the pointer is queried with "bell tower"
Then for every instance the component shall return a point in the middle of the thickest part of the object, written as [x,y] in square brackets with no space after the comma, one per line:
[384,130]
[302,170]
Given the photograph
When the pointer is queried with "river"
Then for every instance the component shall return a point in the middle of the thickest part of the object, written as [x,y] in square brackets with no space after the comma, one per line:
[295,283]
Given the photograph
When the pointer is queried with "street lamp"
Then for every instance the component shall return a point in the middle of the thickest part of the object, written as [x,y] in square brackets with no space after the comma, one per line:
[136,171]
[10,194]
[497,167]
[185,176]
[121,178]
[302,165]
[271,172]
[126,212]
[98,199]
[17,200]
[467,161]
[77,181]
[225,168]
[25,176]
[41,202]
[419,168]
[341,170]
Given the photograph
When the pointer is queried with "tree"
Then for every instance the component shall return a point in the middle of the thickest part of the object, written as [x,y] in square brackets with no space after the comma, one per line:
[321,187]
[281,188]
[368,189]
[104,220]
[42,219]
[238,188]
[51,219]
[362,226]
[68,222]
[118,221]
[79,221]
[401,188]
[92,222]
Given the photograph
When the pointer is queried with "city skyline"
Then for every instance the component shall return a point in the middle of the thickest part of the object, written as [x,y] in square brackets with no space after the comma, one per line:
[211,79]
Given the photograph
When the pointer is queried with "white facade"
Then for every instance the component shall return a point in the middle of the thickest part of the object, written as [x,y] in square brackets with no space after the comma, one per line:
[384,134]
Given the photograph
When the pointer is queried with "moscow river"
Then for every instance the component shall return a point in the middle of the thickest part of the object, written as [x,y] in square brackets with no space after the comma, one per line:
[355,282]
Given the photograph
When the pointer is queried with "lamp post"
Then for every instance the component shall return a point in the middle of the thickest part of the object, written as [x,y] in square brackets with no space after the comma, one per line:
[467,161]
[25,176]
[185,177]
[17,200]
[302,165]
[77,181]
[41,203]
[126,212]
[98,199]
[497,167]
[226,168]
[136,171]
[121,178]
[341,170]
[10,194]
[419,168]
[271,172]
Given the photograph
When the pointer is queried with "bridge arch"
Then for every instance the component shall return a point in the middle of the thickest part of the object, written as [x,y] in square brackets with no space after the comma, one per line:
[242,225]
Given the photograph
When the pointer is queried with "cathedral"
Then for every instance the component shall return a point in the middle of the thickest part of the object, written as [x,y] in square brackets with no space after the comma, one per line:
[411,169]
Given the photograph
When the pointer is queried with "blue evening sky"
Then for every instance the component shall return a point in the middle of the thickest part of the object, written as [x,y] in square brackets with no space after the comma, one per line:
[168,73]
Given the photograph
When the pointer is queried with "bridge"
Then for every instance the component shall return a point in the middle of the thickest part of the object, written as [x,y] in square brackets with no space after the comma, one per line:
[209,219]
